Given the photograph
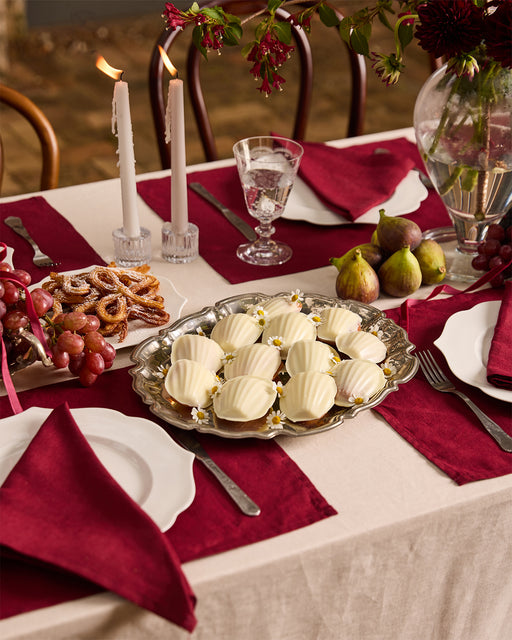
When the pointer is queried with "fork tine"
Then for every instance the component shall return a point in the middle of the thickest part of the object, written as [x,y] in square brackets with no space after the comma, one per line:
[435,368]
[424,367]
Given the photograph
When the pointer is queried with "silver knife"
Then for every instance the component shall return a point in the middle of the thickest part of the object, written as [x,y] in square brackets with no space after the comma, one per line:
[245,504]
[242,226]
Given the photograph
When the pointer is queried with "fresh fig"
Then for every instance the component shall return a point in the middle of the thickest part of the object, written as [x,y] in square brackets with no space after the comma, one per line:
[400,275]
[370,252]
[357,280]
[430,256]
[395,233]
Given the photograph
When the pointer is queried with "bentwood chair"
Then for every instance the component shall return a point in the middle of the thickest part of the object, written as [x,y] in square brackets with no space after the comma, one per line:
[300,40]
[44,130]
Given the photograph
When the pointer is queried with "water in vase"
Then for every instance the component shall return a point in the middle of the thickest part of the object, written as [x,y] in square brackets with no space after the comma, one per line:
[266,192]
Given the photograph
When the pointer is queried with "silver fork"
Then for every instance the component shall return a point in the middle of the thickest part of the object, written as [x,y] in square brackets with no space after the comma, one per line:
[440,382]
[40,259]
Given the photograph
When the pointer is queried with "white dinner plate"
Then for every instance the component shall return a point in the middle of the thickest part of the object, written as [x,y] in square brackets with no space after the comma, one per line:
[153,470]
[303,203]
[465,343]
[137,329]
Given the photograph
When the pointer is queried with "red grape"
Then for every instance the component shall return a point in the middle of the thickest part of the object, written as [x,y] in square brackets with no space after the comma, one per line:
[2,288]
[94,341]
[3,308]
[23,276]
[70,342]
[11,293]
[491,246]
[92,324]
[76,363]
[15,319]
[505,252]
[5,266]
[95,363]
[60,358]
[480,262]
[496,232]
[109,352]
[43,301]
[494,262]
[74,320]
[87,378]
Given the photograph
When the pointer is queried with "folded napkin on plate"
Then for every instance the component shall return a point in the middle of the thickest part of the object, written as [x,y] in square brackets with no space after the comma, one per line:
[353,180]
[499,364]
[62,508]
[53,233]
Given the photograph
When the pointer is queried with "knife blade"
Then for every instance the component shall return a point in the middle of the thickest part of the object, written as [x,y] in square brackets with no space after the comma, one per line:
[242,226]
[190,442]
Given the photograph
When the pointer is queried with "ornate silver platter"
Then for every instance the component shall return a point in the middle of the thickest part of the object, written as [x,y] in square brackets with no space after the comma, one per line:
[152,358]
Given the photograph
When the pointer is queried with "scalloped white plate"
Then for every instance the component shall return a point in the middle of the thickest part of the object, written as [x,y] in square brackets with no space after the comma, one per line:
[153,470]
[465,343]
[303,204]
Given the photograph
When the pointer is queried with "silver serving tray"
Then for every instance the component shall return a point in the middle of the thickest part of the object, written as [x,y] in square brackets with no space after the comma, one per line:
[153,355]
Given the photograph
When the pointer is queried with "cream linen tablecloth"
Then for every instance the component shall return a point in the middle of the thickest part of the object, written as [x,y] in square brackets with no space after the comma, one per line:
[410,555]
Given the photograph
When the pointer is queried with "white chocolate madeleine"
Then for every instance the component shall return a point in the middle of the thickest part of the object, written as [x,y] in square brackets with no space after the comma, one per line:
[235,331]
[289,328]
[336,321]
[307,396]
[198,348]
[190,383]
[258,359]
[310,355]
[244,398]
[361,345]
[357,381]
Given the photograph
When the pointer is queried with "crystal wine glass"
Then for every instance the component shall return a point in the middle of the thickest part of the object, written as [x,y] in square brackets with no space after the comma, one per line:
[267,167]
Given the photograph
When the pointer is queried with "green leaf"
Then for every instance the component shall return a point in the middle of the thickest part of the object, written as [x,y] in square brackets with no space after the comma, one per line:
[261,30]
[230,37]
[195,8]
[283,31]
[405,34]
[384,19]
[274,4]
[359,43]
[247,49]
[197,37]
[345,28]
[213,14]
[328,16]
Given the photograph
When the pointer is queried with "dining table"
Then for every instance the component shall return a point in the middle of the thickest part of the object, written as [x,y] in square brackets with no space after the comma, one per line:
[407,528]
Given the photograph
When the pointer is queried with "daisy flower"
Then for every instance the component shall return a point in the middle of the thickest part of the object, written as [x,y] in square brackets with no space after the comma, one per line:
[162,370]
[200,415]
[199,331]
[314,318]
[296,297]
[261,315]
[388,368]
[275,418]
[278,388]
[376,331]
[275,341]
[228,357]
[358,399]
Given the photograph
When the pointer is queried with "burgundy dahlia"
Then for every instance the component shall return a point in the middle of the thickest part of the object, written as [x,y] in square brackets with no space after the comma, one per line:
[498,32]
[449,27]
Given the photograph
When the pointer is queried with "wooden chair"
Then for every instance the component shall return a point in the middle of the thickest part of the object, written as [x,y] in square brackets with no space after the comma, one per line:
[44,130]
[303,48]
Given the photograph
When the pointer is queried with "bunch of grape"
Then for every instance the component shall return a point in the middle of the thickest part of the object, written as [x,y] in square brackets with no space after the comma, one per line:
[72,337]
[76,344]
[495,251]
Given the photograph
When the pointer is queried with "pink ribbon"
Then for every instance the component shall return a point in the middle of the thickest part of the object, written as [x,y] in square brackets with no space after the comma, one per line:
[36,330]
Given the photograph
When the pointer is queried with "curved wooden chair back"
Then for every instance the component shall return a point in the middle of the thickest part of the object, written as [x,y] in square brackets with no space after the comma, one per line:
[303,47]
[44,130]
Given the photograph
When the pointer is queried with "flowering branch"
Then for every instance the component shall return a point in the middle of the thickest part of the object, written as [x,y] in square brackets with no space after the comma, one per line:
[454,29]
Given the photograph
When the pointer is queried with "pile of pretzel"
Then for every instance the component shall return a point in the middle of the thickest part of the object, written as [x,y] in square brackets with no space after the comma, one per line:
[114,295]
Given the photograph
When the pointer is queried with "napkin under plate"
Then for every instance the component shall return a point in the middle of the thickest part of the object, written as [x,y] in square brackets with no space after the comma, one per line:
[499,364]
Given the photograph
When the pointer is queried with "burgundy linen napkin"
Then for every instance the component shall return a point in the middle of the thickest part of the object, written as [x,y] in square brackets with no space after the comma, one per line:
[312,245]
[52,232]
[499,364]
[439,425]
[60,506]
[258,466]
[351,181]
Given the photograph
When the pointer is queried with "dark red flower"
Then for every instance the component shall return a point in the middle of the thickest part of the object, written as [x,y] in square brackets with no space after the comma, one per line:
[449,27]
[498,32]
[173,17]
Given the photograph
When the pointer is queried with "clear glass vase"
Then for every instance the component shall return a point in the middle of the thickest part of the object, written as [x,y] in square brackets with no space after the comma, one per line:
[463,132]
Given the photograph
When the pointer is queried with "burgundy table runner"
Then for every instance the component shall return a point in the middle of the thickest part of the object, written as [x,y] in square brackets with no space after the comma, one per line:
[212,524]
[312,245]
[439,425]
[52,232]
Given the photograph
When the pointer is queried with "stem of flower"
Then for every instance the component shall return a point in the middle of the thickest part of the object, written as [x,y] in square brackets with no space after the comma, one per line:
[482,185]
[444,117]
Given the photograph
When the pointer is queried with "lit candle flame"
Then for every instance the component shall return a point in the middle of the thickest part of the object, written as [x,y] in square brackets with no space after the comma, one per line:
[169,65]
[103,65]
